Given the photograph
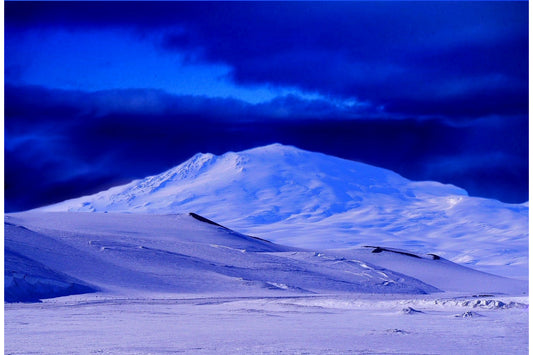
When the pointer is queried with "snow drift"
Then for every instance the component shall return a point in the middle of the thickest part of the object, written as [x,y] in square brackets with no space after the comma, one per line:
[26,280]
[156,255]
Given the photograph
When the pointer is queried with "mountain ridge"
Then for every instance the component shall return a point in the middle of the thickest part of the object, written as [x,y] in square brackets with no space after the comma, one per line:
[236,162]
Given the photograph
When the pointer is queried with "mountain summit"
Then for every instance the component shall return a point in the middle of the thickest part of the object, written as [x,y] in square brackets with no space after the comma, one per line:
[308,199]
[269,184]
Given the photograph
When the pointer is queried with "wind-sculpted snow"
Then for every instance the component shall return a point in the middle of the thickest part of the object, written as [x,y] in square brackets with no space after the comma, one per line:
[140,255]
[437,271]
[147,254]
[305,199]
[29,281]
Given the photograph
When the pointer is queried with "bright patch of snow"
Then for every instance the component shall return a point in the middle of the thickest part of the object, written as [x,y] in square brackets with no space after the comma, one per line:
[469,314]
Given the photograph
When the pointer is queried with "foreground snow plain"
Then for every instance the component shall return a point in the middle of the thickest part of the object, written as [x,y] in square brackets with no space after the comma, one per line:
[178,284]
[346,324]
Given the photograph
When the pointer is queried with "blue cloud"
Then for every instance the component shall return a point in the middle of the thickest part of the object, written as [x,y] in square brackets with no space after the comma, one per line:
[76,142]
[410,58]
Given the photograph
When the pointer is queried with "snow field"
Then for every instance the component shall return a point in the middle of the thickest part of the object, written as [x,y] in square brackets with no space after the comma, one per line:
[354,324]
[135,254]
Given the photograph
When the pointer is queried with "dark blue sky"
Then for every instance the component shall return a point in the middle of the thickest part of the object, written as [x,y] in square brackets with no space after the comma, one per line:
[99,93]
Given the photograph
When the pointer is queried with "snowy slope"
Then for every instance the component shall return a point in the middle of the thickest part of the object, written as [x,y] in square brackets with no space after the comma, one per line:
[145,255]
[138,255]
[306,199]
[26,280]
[437,271]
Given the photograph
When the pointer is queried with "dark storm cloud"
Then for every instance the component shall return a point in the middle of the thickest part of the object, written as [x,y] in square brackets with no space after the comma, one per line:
[62,144]
[458,60]
[432,90]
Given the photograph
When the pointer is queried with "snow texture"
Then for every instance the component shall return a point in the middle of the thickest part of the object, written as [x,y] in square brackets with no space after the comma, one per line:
[138,254]
[305,324]
[311,200]
[146,255]
[26,280]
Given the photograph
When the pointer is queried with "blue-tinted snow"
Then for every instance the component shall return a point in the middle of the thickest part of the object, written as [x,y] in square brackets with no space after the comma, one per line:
[311,200]
[139,255]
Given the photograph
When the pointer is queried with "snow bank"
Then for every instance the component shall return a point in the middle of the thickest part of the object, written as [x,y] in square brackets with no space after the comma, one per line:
[26,280]
[51,254]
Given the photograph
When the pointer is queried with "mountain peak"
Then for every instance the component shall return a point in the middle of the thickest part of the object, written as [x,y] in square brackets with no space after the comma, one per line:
[273,178]
[275,148]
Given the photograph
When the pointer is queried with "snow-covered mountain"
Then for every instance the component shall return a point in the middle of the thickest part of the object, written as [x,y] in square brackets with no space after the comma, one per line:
[312,200]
